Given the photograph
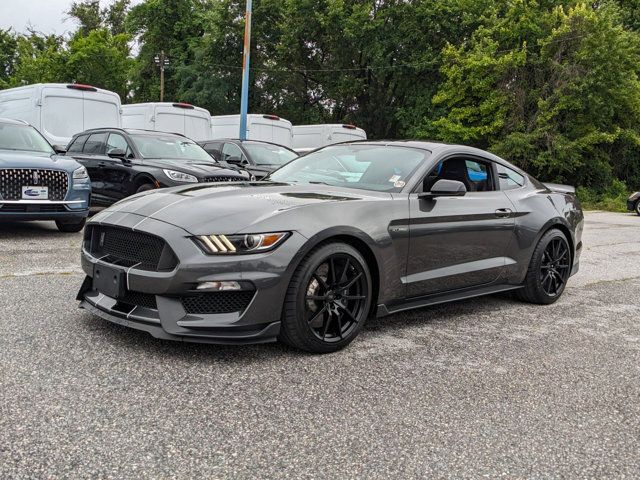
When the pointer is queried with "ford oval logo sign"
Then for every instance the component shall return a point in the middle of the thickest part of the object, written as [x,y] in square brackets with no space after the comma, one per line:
[31,192]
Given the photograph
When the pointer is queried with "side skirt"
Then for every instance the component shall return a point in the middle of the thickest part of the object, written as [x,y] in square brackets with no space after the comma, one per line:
[409,304]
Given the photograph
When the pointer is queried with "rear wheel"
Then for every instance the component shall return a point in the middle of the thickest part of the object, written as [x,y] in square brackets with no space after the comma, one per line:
[328,300]
[638,207]
[549,269]
[144,187]
[70,227]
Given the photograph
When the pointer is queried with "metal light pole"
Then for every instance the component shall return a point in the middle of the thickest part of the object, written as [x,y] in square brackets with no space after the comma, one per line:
[244,99]
[161,60]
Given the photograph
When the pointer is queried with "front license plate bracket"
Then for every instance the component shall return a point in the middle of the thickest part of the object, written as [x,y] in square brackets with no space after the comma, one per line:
[109,281]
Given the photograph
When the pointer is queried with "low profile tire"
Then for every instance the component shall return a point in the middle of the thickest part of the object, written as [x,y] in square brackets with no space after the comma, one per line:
[70,227]
[144,187]
[549,269]
[328,299]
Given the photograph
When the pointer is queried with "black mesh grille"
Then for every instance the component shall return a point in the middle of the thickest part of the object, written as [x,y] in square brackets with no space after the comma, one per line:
[127,248]
[224,179]
[32,208]
[218,302]
[139,299]
[13,179]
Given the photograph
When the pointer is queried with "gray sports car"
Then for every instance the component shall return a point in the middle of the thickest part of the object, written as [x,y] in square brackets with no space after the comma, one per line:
[348,231]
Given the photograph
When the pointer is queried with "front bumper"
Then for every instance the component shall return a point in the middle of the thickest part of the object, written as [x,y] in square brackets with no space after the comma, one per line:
[267,275]
[21,210]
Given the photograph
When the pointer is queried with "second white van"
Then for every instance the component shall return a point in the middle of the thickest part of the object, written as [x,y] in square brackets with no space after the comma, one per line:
[183,118]
[266,128]
[59,111]
[310,137]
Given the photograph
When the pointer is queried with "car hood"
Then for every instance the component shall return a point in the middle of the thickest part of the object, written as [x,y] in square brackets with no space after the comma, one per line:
[231,208]
[15,159]
[198,168]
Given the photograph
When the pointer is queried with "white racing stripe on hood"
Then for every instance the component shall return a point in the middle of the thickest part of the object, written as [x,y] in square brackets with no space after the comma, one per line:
[158,211]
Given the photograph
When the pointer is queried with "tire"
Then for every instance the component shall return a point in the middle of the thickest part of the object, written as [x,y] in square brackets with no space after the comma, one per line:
[144,187]
[70,227]
[325,307]
[547,274]
[638,207]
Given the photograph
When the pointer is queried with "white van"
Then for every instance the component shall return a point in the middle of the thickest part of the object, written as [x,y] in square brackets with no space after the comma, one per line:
[267,128]
[60,110]
[310,137]
[191,121]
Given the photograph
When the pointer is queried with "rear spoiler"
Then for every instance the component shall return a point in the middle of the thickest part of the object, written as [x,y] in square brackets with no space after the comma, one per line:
[558,188]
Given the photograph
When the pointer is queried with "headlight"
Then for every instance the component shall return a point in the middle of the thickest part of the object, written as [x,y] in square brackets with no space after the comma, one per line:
[237,244]
[80,173]
[180,177]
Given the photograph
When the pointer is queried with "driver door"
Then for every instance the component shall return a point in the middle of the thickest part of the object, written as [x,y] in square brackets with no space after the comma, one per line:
[459,242]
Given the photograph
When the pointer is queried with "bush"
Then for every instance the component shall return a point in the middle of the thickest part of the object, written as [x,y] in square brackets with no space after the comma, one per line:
[612,199]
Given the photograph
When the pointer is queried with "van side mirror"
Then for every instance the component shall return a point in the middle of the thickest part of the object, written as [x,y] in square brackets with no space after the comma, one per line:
[60,149]
[445,188]
[117,153]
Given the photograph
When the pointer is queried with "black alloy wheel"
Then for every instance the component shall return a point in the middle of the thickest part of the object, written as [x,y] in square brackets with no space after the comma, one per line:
[549,269]
[555,266]
[328,300]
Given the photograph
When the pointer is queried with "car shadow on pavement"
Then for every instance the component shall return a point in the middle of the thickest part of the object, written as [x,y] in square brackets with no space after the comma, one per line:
[30,230]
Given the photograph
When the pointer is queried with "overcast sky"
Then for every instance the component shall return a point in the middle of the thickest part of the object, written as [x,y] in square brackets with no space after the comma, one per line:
[45,16]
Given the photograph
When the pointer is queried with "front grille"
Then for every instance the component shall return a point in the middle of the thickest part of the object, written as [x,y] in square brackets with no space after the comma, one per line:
[32,208]
[139,299]
[218,302]
[224,179]
[128,248]
[13,179]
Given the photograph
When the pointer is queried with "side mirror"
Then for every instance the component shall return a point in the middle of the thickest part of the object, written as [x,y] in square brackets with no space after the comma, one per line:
[445,188]
[60,149]
[117,153]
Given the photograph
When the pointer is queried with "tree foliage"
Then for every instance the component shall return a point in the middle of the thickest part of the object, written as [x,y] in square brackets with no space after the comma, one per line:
[551,85]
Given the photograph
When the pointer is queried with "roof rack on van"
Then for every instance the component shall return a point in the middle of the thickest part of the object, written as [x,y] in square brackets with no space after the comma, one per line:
[83,87]
[183,105]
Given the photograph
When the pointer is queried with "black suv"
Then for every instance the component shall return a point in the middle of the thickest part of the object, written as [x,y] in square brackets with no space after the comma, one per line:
[122,162]
[259,158]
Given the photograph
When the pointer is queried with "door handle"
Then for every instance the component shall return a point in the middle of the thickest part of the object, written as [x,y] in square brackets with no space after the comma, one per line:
[503,212]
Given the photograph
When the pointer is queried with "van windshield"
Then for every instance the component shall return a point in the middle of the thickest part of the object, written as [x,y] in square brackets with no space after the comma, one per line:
[169,146]
[268,154]
[23,138]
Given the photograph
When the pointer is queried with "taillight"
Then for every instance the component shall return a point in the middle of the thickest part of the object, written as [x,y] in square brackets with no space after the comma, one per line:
[350,127]
[183,105]
[271,117]
[80,86]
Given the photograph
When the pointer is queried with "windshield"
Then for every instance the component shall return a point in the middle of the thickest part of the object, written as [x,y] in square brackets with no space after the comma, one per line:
[169,146]
[23,138]
[266,154]
[368,167]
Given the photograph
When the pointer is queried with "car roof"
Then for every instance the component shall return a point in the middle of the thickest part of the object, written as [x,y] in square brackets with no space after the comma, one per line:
[13,121]
[137,131]
[248,140]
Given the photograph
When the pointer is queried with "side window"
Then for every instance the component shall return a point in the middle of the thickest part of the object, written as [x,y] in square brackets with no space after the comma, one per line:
[476,174]
[118,142]
[231,150]
[77,144]
[213,149]
[509,179]
[95,143]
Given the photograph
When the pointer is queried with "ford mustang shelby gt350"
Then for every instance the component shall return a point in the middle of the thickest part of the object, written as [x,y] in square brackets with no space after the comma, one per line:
[348,231]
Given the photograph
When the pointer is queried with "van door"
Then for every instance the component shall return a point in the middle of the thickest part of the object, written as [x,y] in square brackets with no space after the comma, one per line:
[61,114]
[100,110]
[169,119]
[196,126]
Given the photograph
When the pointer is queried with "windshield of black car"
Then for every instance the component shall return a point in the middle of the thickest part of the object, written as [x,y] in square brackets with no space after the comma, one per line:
[369,167]
[266,154]
[23,138]
[169,146]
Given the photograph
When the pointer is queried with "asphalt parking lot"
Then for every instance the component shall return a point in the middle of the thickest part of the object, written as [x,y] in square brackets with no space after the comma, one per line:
[488,387]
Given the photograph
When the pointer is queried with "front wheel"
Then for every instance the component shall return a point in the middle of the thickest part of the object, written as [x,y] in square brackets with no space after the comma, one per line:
[549,269]
[70,227]
[328,299]
[638,207]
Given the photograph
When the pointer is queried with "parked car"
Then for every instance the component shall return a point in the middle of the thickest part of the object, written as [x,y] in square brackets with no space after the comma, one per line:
[259,158]
[310,137]
[266,128]
[307,255]
[37,184]
[60,110]
[183,118]
[122,162]
[633,202]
